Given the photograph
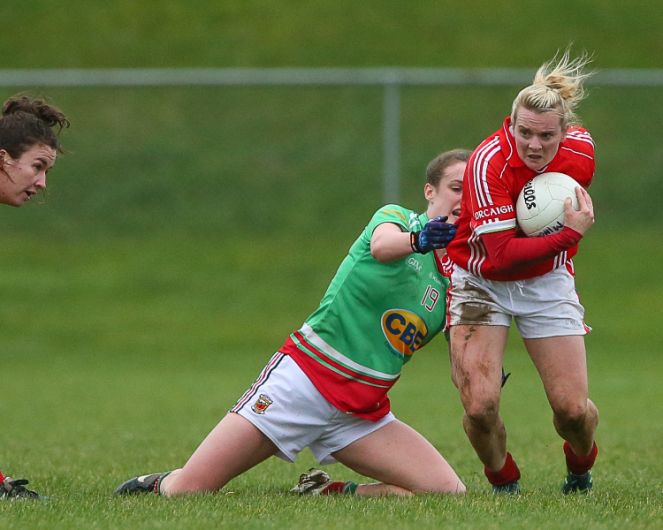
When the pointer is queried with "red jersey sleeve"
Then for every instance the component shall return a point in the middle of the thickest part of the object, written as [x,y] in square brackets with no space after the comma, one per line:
[491,207]
[511,252]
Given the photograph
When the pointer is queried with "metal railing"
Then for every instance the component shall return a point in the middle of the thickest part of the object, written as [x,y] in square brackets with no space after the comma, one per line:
[391,79]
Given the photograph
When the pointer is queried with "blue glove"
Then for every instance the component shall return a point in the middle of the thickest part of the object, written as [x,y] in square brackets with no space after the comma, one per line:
[436,234]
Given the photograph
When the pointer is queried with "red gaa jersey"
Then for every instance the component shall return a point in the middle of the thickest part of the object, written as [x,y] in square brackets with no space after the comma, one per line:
[494,176]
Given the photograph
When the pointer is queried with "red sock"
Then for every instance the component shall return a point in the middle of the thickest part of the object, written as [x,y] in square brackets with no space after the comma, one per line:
[334,487]
[508,473]
[2,477]
[339,487]
[579,465]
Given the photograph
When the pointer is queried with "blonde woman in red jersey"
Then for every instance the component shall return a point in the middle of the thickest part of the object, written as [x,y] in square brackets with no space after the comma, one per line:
[499,276]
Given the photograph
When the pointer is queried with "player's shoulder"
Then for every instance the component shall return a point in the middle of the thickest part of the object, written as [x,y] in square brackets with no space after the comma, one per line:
[490,152]
[393,213]
[577,155]
[394,210]
[579,140]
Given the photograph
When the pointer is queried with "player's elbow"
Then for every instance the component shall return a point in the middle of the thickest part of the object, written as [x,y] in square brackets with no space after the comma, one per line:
[381,252]
[504,264]
[383,248]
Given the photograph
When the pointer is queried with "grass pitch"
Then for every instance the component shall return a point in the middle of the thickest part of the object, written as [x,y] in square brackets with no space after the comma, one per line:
[130,329]
[119,356]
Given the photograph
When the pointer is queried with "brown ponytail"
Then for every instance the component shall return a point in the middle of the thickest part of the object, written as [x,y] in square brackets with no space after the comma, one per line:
[27,121]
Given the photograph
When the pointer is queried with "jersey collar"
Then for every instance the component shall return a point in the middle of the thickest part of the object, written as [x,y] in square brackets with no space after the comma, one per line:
[508,144]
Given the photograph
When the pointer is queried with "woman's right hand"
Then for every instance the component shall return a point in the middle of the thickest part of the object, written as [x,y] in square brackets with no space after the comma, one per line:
[581,219]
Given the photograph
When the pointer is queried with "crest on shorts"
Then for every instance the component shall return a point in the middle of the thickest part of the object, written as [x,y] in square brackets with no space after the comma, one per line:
[262,404]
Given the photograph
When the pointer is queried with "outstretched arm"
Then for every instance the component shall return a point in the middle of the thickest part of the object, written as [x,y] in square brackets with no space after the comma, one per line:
[389,242]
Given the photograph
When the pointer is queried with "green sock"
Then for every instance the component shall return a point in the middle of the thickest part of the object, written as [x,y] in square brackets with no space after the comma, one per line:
[350,488]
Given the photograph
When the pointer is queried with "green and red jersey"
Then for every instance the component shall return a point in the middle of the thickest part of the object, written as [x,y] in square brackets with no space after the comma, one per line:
[372,319]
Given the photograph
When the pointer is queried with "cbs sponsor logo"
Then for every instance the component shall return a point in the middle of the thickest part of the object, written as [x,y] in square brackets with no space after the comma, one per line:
[404,330]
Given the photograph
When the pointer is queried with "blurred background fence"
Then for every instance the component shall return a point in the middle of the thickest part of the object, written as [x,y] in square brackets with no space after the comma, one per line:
[391,80]
[298,150]
[218,158]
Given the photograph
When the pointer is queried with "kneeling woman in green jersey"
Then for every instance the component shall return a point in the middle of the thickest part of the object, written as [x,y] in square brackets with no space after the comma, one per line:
[326,388]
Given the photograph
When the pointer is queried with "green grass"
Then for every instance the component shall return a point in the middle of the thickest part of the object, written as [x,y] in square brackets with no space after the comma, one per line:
[119,355]
[324,32]
[188,230]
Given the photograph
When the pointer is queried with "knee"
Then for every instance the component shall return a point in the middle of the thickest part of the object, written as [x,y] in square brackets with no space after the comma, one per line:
[479,393]
[448,486]
[571,414]
[482,413]
[453,487]
[459,489]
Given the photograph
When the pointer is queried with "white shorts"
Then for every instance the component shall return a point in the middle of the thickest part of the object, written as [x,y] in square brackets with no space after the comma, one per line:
[285,406]
[545,306]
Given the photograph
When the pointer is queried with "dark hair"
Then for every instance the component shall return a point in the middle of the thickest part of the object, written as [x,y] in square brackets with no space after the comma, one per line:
[436,167]
[27,121]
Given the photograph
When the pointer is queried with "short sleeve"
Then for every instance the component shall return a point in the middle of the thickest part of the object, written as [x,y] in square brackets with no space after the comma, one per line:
[392,213]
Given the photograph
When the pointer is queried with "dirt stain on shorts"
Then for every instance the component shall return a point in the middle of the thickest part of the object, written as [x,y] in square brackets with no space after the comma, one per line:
[476,311]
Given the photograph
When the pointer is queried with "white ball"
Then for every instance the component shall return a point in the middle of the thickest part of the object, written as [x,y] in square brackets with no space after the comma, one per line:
[540,205]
